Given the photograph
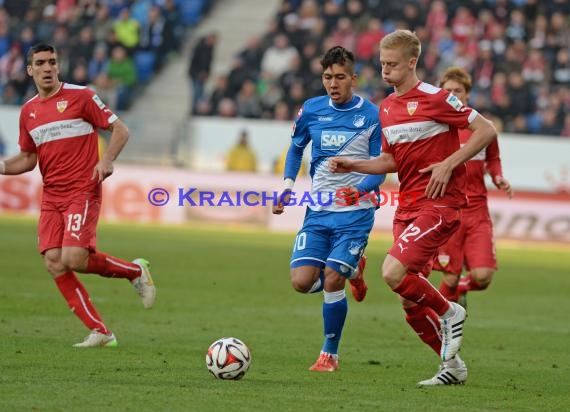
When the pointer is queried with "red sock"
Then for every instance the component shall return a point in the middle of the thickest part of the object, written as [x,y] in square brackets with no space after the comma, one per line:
[419,290]
[468,283]
[451,294]
[426,324]
[79,302]
[111,267]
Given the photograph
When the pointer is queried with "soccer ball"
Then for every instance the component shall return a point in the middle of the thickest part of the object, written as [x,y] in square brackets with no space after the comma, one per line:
[228,358]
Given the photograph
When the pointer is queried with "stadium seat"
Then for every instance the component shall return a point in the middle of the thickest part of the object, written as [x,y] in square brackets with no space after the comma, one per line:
[191,11]
[144,61]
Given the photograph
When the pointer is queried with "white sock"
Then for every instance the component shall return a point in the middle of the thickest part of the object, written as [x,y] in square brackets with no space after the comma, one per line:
[454,362]
[450,312]
[332,297]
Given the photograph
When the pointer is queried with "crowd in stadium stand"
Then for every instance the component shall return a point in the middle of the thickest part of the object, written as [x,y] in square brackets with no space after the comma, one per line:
[517,52]
[112,45]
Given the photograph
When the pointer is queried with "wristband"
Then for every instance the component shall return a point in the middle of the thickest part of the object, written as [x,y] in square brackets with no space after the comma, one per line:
[2,167]
[288,184]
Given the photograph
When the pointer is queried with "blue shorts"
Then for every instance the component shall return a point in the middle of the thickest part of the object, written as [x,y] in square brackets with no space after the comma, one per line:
[334,239]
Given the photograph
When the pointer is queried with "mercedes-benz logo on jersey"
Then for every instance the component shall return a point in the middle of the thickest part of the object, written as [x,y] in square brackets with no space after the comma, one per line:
[358,120]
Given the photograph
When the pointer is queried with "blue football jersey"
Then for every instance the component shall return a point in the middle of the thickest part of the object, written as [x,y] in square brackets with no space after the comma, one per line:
[351,129]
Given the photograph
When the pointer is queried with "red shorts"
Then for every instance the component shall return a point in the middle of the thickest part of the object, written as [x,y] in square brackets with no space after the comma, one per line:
[471,246]
[71,222]
[418,235]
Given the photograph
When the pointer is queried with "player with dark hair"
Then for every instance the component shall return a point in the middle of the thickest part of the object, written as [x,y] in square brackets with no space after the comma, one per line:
[58,132]
[420,142]
[329,247]
[472,245]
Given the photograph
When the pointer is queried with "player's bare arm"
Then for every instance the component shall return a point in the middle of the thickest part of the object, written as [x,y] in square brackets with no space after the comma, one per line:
[21,163]
[483,133]
[385,163]
[119,137]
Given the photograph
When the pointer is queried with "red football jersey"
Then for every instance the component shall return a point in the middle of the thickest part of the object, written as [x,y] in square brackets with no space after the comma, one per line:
[62,130]
[420,128]
[488,159]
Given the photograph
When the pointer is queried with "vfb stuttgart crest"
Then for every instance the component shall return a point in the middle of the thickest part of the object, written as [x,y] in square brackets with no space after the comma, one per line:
[61,106]
[443,260]
[412,106]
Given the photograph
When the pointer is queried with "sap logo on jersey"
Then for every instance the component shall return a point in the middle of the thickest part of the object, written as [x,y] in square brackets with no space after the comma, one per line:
[332,140]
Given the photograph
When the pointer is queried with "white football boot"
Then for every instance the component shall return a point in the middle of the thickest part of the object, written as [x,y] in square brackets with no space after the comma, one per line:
[452,332]
[452,372]
[144,284]
[97,339]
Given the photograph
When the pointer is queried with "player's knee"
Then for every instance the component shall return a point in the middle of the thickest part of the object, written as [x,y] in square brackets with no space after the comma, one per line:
[390,276]
[53,264]
[393,272]
[333,280]
[483,277]
[74,261]
[300,286]
[451,280]
[301,283]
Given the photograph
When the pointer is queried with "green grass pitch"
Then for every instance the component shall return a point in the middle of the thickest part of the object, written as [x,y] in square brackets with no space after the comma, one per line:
[213,283]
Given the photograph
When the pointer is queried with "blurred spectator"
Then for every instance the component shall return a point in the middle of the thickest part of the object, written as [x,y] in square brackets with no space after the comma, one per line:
[251,55]
[79,75]
[561,68]
[241,157]
[82,49]
[436,19]
[550,123]
[281,111]
[27,39]
[201,66]
[238,74]
[45,28]
[10,95]
[152,36]
[102,23]
[516,30]
[344,34]
[122,74]
[278,58]
[367,41]
[534,68]
[97,64]
[520,94]
[220,91]
[248,104]
[226,108]
[518,125]
[11,65]
[173,27]
[127,30]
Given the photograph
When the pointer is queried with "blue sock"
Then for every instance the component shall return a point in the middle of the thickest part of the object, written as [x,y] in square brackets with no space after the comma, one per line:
[319,284]
[335,309]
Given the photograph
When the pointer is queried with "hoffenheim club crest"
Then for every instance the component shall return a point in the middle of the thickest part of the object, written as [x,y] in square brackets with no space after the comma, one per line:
[358,120]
